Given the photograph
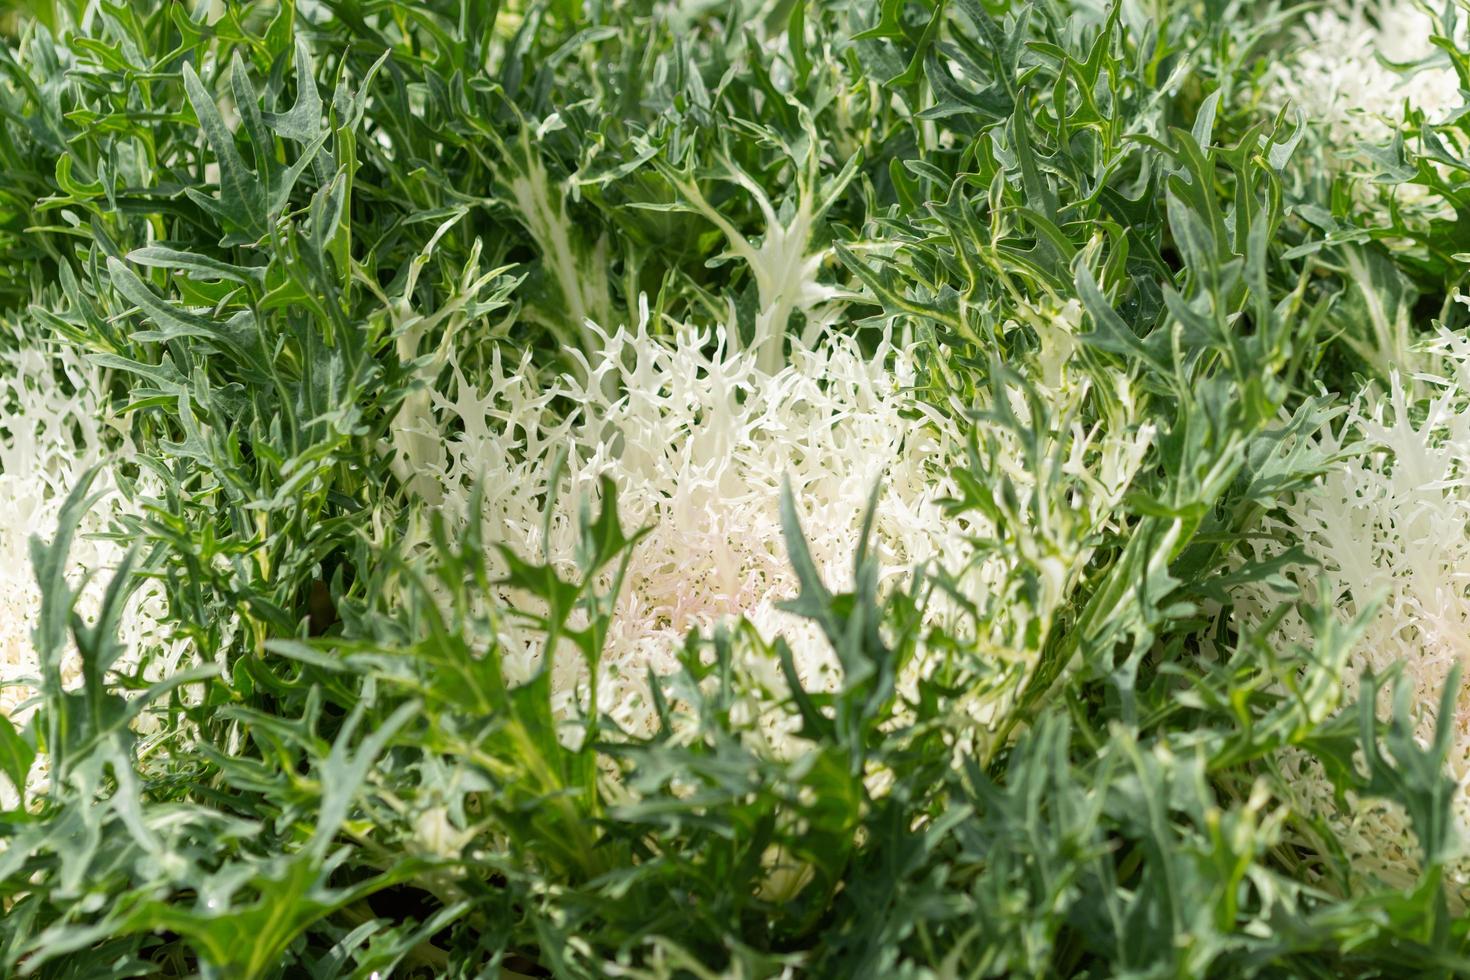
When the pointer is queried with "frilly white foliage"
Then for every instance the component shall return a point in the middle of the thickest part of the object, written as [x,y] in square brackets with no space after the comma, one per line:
[697,439]
[1389,525]
[1354,66]
[413,443]
[698,443]
[53,429]
[1354,69]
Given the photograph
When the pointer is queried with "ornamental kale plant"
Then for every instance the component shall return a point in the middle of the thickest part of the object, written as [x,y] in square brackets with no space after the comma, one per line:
[772,488]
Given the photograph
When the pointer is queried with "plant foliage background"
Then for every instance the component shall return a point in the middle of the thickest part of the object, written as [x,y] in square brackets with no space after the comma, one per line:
[912,488]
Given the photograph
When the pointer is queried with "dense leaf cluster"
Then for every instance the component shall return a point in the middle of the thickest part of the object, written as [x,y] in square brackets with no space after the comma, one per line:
[268,224]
